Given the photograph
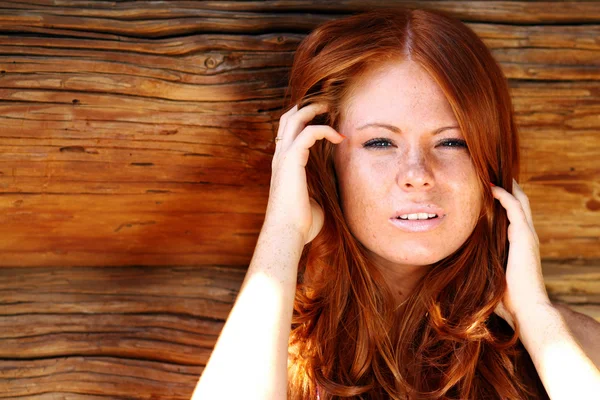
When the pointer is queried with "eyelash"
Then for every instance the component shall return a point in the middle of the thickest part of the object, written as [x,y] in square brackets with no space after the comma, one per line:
[459,143]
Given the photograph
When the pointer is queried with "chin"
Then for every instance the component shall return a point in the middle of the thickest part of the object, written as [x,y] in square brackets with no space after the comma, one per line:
[420,260]
[414,255]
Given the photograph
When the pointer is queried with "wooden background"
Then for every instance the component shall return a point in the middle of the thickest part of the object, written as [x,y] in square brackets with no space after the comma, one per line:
[135,149]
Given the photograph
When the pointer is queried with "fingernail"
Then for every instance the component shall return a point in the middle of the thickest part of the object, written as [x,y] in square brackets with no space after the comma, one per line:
[342,136]
[492,184]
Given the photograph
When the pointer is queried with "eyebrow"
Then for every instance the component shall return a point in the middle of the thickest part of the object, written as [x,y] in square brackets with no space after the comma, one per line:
[397,130]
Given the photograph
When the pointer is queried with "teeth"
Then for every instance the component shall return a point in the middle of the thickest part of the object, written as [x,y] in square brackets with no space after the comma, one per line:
[418,216]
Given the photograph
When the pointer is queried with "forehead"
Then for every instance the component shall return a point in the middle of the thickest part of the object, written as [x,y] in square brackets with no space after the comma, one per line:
[399,93]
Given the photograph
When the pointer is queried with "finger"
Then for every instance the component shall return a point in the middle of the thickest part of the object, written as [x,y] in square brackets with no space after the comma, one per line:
[308,137]
[283,121]
[514,208]
[297,121]
[520,195]
[289,112]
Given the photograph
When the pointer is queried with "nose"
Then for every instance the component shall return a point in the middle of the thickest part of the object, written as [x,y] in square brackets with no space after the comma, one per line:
[415,173]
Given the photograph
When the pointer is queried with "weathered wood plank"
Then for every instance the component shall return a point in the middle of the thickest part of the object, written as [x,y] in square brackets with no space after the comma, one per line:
[174,289]
[140,133]
[96,378]
[496,36]
[249,15]
[129,238]
[524,52]
[109,331]
[112,145]
[575,283]
[163,338]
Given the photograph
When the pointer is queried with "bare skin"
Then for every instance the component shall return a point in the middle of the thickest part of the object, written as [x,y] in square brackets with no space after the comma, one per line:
[262,312]
[418,168]
[413,164]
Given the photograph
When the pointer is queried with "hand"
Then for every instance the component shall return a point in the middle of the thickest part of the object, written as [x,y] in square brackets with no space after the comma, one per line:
[289,203]
[525,283]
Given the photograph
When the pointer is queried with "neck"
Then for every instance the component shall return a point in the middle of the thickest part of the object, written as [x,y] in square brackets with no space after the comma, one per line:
[401,278]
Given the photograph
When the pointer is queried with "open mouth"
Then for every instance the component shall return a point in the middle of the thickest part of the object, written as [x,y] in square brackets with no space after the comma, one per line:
[417,217]
[418,222]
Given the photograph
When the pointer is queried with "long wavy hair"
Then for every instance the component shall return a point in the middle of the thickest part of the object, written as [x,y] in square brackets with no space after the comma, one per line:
[444,342]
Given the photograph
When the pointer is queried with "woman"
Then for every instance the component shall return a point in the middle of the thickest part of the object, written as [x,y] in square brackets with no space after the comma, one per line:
[390,238]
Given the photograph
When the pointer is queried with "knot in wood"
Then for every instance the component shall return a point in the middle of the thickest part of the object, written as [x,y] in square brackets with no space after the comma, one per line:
[210,62]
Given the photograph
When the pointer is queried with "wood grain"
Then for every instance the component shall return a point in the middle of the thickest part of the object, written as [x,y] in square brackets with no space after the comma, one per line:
[138,332]
[135,150]
[110,331]
[82,139]
[110,184]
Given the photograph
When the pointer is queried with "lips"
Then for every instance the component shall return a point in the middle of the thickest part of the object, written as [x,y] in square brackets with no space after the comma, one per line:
[419,209]
[418,225]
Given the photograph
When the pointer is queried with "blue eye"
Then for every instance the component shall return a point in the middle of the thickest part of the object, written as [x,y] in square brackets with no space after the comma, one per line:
[382,143]
[378,143]
[454,143]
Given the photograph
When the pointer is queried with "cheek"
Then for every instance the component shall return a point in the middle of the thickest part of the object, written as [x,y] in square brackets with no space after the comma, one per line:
[456,176]
[361,186]
[467,192]
[458,171]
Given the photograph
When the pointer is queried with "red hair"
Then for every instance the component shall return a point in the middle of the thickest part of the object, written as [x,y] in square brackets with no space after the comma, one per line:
[445,341]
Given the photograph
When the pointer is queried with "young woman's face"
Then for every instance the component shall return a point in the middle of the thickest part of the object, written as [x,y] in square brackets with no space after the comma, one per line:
[417,164]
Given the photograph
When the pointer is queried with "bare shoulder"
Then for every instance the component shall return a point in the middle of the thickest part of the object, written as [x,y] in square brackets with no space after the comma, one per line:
[585,329]
[569,313]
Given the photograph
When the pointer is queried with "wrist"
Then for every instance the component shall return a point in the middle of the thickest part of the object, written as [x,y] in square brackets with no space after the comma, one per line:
[272,227]
[276,256]
[530,312]
[536,323]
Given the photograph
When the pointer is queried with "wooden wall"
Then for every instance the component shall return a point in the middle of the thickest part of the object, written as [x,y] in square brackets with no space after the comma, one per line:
[135,148]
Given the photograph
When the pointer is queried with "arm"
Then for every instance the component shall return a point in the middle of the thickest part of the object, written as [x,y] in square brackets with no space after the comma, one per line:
[563,367]
[249,360]
[565,370]
[585,329]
